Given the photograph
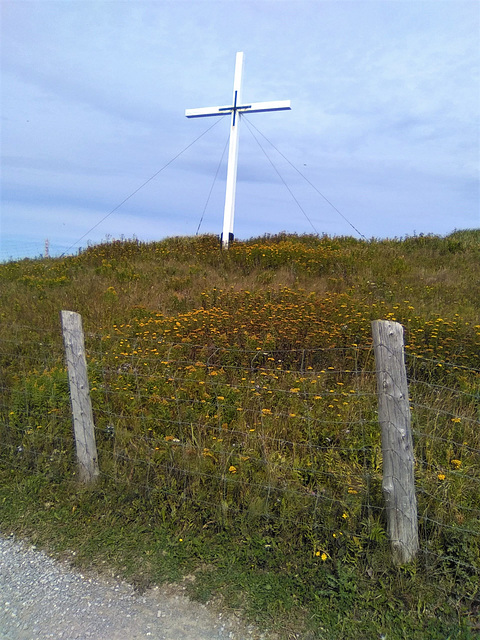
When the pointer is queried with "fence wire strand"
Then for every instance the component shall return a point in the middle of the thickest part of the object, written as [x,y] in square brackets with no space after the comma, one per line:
[247,435]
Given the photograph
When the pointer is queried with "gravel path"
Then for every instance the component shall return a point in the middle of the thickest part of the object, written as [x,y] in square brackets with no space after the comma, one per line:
[42,598]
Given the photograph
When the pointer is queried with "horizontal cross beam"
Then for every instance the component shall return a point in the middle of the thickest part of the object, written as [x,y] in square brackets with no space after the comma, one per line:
[255,107]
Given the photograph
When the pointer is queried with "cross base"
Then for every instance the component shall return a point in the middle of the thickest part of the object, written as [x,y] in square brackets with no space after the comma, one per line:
[225,245]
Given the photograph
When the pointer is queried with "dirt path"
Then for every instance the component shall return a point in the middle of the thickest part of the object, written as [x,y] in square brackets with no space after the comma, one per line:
[42,598]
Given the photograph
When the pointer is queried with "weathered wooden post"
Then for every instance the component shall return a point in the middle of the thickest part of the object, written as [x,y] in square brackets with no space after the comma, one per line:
[397,444]
[80,397]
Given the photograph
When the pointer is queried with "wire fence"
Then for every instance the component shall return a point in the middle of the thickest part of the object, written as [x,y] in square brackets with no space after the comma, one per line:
[274,443]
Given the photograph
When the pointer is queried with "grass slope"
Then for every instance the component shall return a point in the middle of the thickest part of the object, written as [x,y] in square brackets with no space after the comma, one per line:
[235,412]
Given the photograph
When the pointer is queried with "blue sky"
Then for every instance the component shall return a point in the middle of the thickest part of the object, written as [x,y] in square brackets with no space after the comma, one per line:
[384,119]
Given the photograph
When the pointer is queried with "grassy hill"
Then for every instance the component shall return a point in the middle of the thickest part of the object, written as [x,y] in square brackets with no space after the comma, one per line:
[235,412]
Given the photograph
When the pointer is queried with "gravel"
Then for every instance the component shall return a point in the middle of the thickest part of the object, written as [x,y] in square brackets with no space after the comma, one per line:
[43,598]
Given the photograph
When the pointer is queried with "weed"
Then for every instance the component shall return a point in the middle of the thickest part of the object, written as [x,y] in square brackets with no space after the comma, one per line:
[235,412]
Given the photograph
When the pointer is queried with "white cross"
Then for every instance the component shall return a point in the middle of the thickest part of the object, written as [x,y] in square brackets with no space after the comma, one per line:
[237,108]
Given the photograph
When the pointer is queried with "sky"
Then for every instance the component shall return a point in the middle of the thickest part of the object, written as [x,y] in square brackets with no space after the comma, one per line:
[384,121]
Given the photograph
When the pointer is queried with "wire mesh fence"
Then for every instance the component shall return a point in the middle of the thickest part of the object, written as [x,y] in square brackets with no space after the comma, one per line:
[34,402]
[445,402]
[269,442]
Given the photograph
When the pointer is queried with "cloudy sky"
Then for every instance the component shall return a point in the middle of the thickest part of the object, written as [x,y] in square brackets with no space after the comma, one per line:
[384,120]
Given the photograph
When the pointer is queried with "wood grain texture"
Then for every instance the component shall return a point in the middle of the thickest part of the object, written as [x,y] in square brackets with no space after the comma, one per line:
[397,445]
[83,424]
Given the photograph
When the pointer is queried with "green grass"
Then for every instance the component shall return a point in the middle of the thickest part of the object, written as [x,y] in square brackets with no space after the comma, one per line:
[235,412]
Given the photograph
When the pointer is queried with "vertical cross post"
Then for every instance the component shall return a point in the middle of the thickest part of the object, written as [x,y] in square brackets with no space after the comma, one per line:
[229,210]
[236,109]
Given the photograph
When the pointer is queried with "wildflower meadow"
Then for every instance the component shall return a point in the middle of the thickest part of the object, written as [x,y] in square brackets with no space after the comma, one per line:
[235,410]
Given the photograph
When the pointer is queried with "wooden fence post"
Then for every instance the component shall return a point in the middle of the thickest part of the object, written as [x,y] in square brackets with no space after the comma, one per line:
[80,397]
[397,444]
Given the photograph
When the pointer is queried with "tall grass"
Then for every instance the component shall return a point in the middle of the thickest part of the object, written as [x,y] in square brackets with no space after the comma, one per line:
[235,410]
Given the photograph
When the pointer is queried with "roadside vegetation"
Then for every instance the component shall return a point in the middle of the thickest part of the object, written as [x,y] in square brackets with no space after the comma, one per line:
[235,413]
